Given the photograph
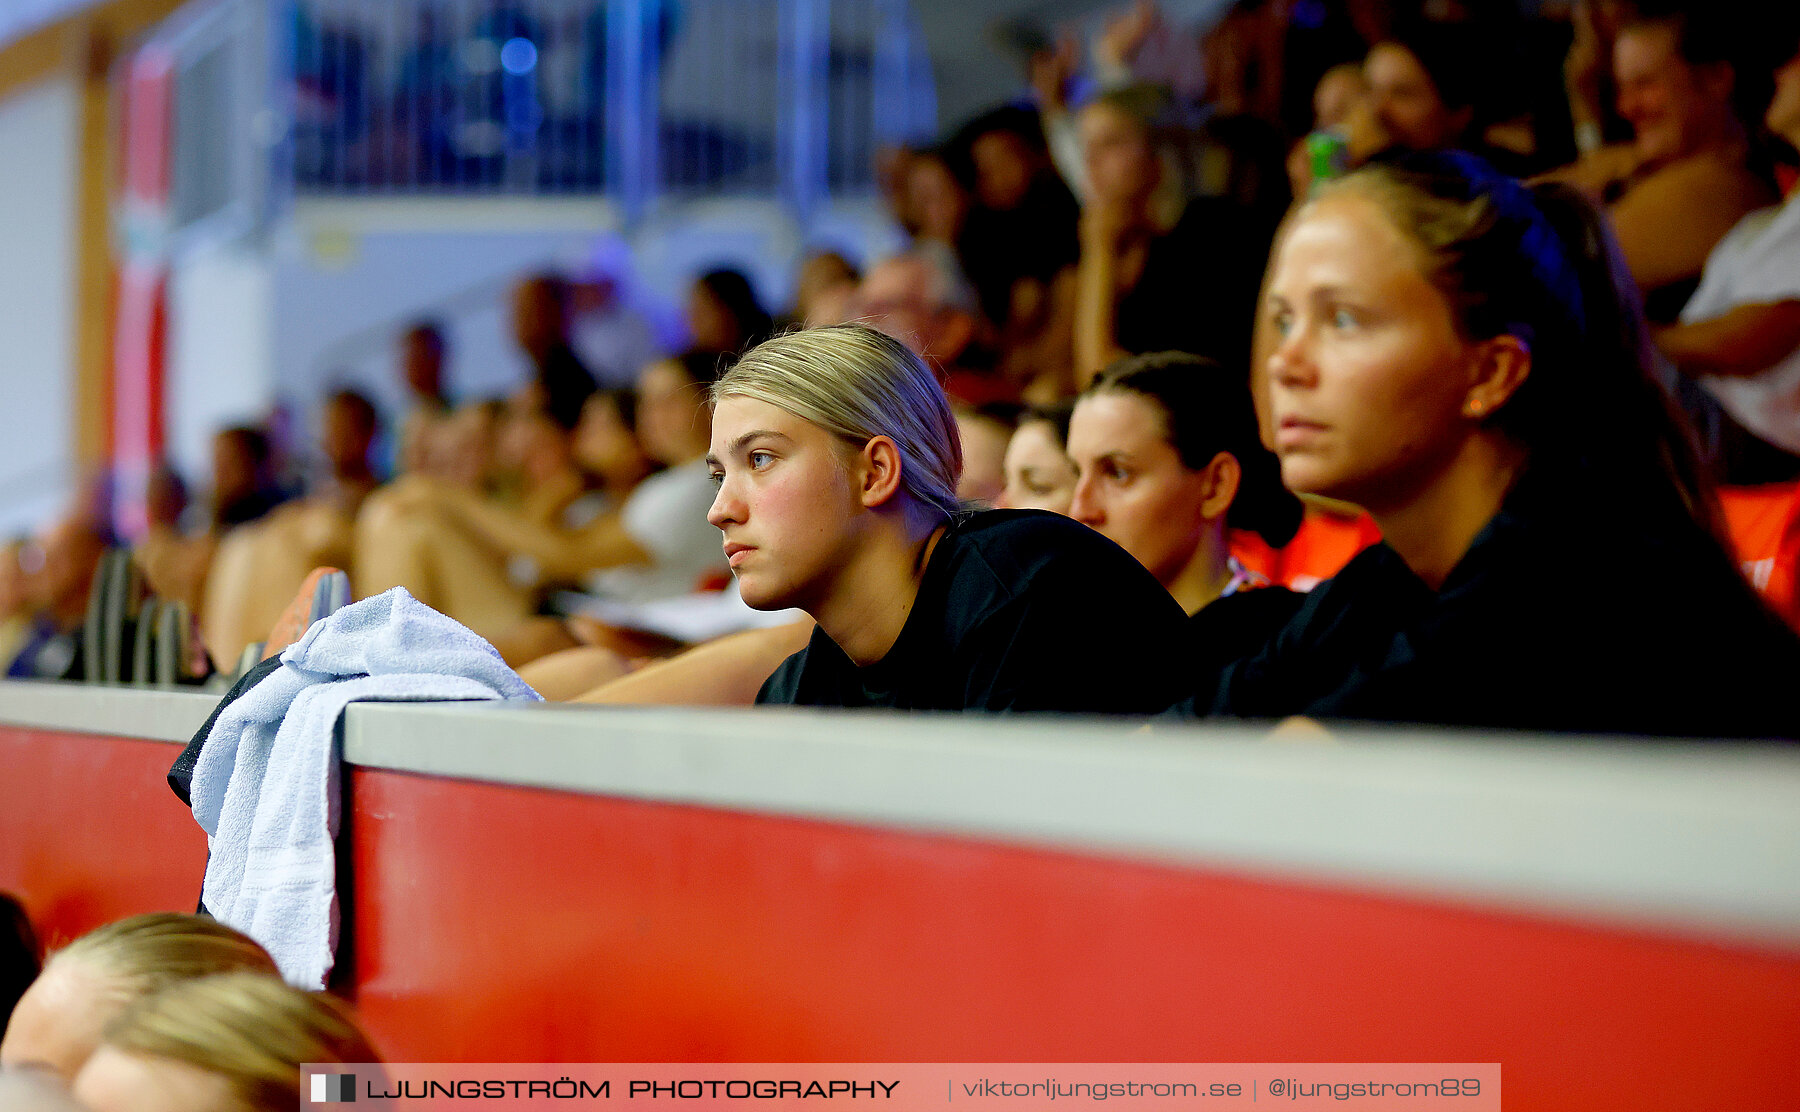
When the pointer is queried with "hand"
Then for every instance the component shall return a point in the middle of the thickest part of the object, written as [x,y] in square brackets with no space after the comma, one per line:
[1050,73]
[1125,34]
[1582,66]
[1104,223]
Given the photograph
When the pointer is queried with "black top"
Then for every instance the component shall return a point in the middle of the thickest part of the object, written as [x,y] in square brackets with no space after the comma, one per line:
[1018,610]
[1551,621]
[1197,292]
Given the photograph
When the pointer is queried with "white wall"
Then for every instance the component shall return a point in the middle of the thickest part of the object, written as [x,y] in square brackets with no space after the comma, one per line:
[221,369]
[38,133]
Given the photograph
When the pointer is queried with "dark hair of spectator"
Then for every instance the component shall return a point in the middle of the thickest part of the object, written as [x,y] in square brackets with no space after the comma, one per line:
[358,404]
[21,958]
[1207,410]
[1056,416]
[734,292]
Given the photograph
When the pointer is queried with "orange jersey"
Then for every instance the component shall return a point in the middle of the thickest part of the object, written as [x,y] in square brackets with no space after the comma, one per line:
[1325,543]
[1763,525]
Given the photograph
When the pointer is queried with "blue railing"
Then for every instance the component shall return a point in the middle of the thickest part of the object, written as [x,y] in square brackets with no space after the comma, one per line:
[639,100]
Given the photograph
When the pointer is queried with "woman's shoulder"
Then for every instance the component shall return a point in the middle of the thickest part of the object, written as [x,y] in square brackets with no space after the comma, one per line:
[1005,556]
[1028,538]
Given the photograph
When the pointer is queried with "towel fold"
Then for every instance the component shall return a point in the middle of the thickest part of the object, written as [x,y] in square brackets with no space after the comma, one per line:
[266,782]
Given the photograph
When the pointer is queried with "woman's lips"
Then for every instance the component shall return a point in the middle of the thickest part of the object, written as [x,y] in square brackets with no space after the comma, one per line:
[734,553]
[1296,430]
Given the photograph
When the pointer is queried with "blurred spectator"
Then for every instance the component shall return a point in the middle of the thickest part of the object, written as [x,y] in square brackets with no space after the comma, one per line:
[1431,86]
[58,568]
[540,325]
[1159,272]
[1685,178]
[1020,233]
[984,432]
[827,283]
[1740,334]
[932,204]
[259,565]
[85,985]
[920,298]
[244,484]
[606,327]
[20,955]
[422,369]
[1039,475]
[228,1043]
[724,314]
[174,562]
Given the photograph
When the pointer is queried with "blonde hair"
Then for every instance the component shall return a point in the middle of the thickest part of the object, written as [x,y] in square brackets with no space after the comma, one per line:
[857,383]
[252,1031]
[145,953]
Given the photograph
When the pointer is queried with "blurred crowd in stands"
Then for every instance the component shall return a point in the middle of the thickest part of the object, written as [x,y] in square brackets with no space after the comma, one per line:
[1125,203]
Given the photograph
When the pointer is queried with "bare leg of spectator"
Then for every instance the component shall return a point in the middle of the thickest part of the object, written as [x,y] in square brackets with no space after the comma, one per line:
[442,566]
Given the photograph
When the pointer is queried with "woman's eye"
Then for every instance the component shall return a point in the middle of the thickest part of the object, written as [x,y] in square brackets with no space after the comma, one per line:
[1281,322]
[761,459]
[1343,318]
[718,479]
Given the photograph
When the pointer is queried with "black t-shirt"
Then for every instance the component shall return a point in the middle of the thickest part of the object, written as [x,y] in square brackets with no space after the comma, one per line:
[1551,621]
[1018,610]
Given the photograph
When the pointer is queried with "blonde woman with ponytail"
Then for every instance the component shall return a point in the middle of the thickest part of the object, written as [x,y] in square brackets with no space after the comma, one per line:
[85,985]
[230,1043]
[836,458]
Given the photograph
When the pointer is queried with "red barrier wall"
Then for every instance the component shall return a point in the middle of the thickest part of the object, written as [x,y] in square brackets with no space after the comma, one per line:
[89,831]
[495,923]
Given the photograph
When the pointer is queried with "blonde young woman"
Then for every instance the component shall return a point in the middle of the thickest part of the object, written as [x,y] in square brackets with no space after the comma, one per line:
[84,986]
[230,1043]
[836,459]
[1466,359]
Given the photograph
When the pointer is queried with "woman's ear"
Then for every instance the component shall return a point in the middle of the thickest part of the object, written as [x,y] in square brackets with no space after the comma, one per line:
[878,480]
[1502,365]
[1219,487]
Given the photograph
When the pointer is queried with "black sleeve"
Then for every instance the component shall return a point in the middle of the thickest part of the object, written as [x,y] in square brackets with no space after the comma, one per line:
[181,773]
[1093,636]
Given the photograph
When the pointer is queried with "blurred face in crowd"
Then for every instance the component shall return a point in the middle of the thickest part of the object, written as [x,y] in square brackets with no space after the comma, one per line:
[347,434]
[604,443]
[538,320]
[712,325]
[935,199]
[671,413]
[1119,160]
[422,362]
[1368,372]
[234,467]
[1406,101]
[1039,475]
[1783,117]
[1003,169]
[895,297]
[1674,108]
[785,506]
[460,448]
[1336,95]
[57,1023]
[1132,486]
[116,1081]
[984,455]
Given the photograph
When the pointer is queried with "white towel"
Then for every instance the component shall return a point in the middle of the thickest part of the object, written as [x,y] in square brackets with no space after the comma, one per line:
[265,788]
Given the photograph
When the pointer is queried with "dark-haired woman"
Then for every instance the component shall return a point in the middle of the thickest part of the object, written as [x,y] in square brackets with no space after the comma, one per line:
[1466,360]
[1166,450]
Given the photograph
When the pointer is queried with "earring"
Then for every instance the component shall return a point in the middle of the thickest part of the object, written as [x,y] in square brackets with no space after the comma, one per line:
[1475,408]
